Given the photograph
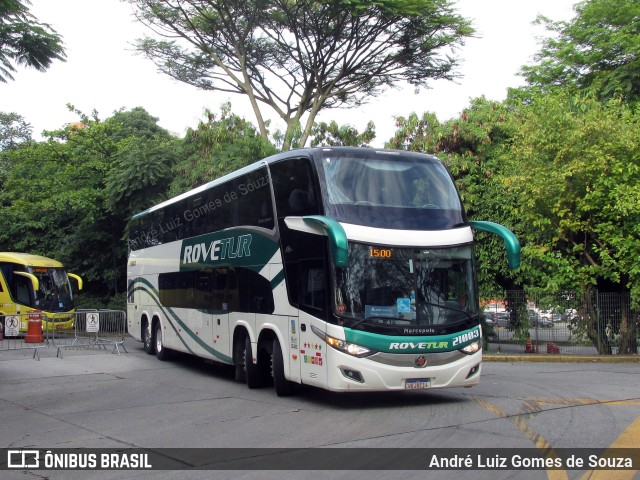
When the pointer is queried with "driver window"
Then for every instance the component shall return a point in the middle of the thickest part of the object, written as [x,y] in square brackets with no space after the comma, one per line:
[294,187]
[22,290]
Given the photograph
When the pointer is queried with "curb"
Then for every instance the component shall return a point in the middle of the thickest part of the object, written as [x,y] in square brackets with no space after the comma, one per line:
[500,357]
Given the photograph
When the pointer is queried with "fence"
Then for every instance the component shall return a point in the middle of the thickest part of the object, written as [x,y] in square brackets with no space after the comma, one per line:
[11,337]
[541,323]
[81,329]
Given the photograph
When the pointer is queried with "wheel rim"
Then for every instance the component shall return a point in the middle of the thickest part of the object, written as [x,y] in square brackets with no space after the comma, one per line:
[242,359]
[147,335]
[158,340]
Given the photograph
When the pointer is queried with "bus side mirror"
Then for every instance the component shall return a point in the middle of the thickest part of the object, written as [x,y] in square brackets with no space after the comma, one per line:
[510,241]
[331,228]
[77,279]
[35,283]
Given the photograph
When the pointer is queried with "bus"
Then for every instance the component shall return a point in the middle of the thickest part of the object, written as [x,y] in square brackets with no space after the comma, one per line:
[33,283]
[348,269]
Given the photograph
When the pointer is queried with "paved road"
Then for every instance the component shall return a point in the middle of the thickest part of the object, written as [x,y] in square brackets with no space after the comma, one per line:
[95,399]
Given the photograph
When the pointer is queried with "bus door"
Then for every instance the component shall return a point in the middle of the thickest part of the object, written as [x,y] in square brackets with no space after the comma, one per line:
[305,256]
[313,300]
[224,290]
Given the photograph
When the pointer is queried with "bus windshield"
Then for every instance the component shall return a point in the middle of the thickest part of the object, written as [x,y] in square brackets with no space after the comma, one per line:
[55,293]
[389,190]
[406,286]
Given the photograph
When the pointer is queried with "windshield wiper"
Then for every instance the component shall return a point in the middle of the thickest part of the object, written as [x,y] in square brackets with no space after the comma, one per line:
[448,307]
[367,320]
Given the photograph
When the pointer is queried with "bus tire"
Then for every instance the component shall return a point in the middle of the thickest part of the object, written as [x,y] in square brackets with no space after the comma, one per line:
[162,352]
[253,372]
[284,387]
[147,338]
[240,361]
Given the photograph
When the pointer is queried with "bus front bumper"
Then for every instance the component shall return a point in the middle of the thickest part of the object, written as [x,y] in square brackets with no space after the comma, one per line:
[348,373]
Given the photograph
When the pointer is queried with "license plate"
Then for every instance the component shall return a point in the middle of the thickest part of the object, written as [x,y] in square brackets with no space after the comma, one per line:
[417,384]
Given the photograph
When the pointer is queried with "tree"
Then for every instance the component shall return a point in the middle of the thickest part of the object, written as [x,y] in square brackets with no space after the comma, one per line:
[598,49]
[573,183]
[221,144]
[14,130]
[300,57]
[70,197]
[25,41]
[138,123]
[333,135]
[142,170]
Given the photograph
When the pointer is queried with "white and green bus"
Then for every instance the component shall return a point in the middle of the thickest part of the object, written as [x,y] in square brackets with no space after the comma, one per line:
[348,269]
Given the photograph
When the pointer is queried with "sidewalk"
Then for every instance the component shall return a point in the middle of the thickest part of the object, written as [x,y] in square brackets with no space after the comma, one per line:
[536,357]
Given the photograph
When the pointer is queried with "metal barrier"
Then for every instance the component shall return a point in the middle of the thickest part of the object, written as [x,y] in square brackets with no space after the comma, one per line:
[80,329]
[22,332]
[91,329]
[593,323]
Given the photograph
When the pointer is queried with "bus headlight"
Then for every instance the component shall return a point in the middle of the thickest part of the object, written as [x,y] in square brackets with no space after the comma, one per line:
[471,348]
[343,346]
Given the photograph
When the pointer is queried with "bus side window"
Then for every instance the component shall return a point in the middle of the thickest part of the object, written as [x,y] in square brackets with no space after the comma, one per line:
[294,187]
[312,284]
[22,290]
[226,288]
[254,292]
[252,204]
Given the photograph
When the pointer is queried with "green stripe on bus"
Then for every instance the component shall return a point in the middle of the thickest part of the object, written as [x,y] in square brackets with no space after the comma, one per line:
[150,291]
[277,280]
[413,344]
[153,293]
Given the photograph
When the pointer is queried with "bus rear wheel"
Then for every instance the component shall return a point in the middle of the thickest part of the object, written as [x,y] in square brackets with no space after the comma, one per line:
[162,352]
[147,338]
[240,361]
[284,387]
[253,372]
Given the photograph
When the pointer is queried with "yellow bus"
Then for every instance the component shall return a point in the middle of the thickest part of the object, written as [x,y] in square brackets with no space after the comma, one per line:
[31,283]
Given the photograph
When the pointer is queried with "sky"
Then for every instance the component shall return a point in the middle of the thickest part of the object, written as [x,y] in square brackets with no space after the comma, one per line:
[103,73]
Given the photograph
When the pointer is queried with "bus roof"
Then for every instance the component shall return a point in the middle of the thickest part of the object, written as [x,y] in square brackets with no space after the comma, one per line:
[202,188]
[309,151]
[29,259]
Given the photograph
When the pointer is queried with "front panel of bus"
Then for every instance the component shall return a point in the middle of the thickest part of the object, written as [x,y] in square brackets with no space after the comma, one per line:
[54,296]
[401,305]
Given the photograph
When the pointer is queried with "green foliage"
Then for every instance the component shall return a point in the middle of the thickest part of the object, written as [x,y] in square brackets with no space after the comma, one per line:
[218,146]
[95,300]
[14,130]
[141,174]
[138,123]
[573,182]
[596,50]
[70,197]
[333,135]
[25,41]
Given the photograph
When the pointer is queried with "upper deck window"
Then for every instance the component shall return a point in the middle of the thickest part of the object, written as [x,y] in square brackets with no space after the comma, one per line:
[389,190]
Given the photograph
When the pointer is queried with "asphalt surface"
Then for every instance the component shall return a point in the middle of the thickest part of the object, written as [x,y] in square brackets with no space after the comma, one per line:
[93,398]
